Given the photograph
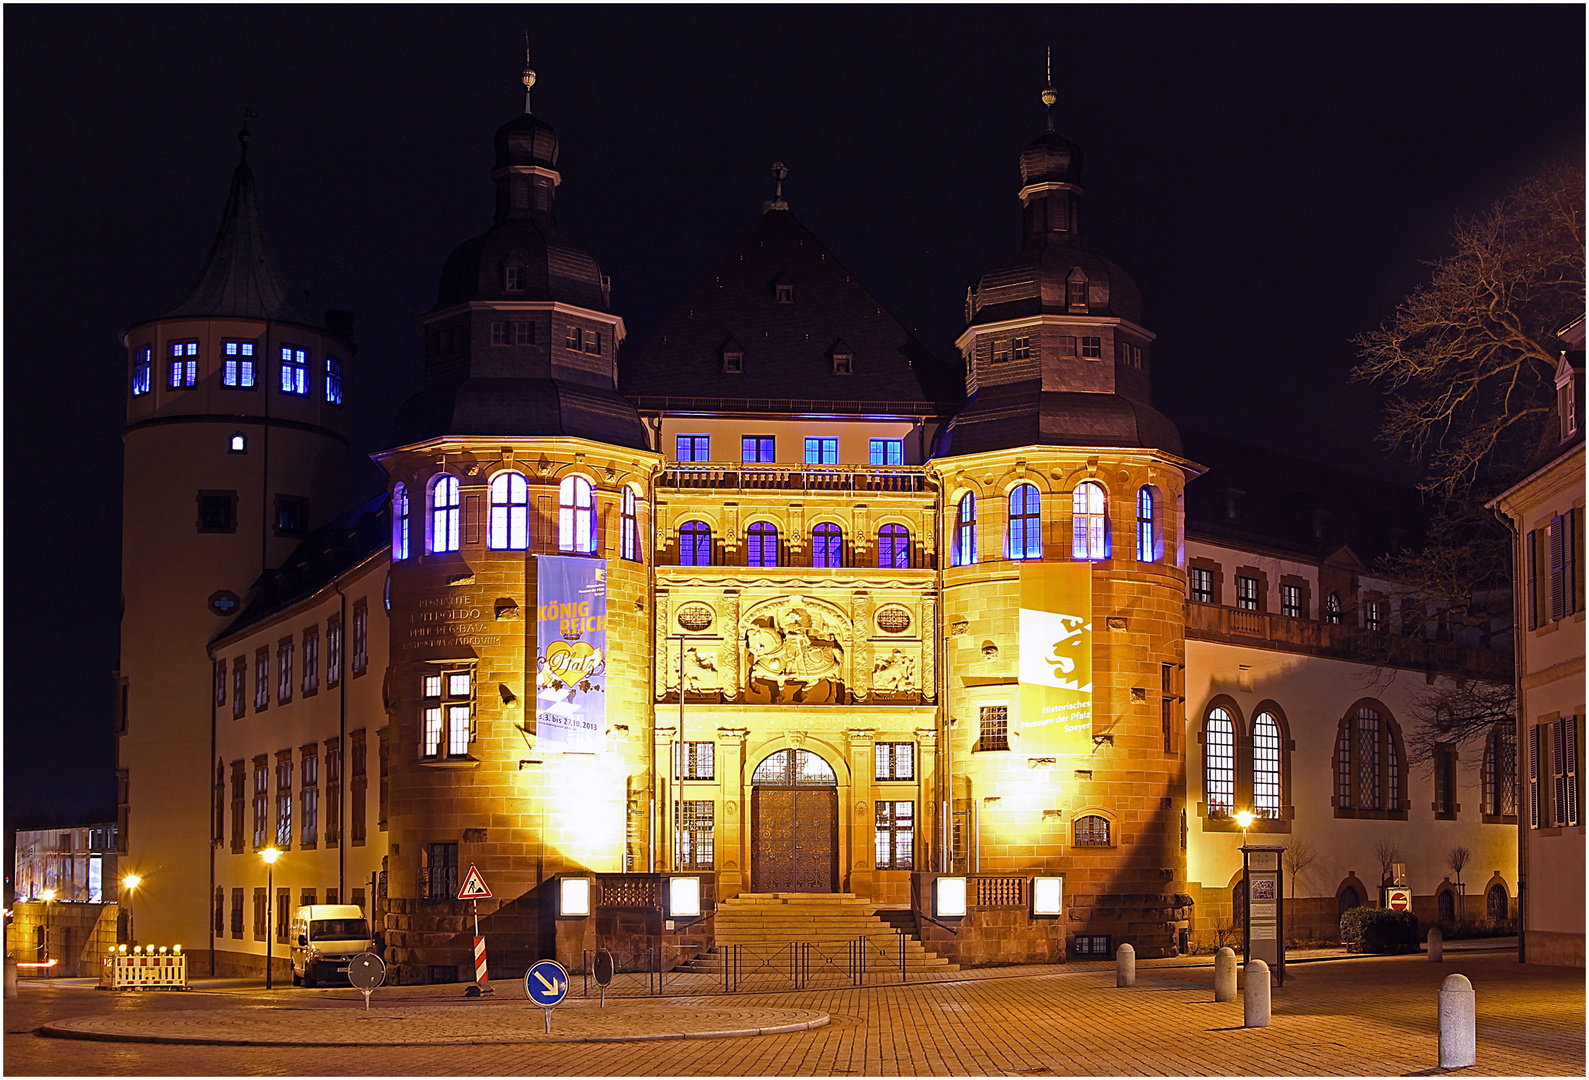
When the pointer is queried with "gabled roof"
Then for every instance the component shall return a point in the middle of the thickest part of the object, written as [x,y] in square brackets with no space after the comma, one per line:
[788,346]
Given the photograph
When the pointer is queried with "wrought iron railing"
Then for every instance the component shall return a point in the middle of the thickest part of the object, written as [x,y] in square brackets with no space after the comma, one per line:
[838,479]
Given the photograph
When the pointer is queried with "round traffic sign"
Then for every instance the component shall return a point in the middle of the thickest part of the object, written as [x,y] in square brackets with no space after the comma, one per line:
[1398,902]
[366,971]
[603,967]
[546,982]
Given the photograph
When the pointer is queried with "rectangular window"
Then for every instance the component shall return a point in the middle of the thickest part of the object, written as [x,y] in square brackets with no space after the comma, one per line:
[361,637]
[994,729]
[184,365]
[756,449]
[260,925]
[294,370]
[292,515]
[239,687]
[820,451]
[333,650]
[1076,295]
[333,790]
[1021,348]
[1202,580]
[217,511]
[239,799]
[513,278]
[1291,601]
[237,914]
[237,364]
[576,339]
[458,730]
[693,448]
[895,834]
[894,761]
[311,661]
[1246,592]
[442,877]
[284,652]
[1373,615]
[262,679]
[695,833]
[333,381]
[699,760]
[1445,767]
[447,726]
[220,683]
[357,762]
[142,365]
[501,333]
[593,342]
[1001,350]
[1167,698]
[1092,348]
[1092,945]
[1533,579]
[888,451]
[1065,345]
[261,798]
[1561,547]
[284,799]
[309,798]
[283,914]
[524,332]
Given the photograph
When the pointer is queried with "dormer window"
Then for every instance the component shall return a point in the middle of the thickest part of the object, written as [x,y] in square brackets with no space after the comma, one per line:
[1566,401]
[513,278]
[843,359]
[576,339]
[733,362]
[593,342]
[1001,351]
[1076,293]
[142,366]
[783,292]
[1021,348]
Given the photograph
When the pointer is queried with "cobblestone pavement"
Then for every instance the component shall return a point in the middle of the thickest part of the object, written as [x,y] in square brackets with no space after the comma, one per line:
[1366,1016]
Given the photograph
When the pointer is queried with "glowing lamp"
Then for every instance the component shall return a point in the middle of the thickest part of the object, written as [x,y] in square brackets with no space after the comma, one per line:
[137,950]
[949,897]
[162,950]
[1048,896]
[132,881]
[573,897]
[270,855]
[1244,819]
[47,895]
[684,896]
[176,950]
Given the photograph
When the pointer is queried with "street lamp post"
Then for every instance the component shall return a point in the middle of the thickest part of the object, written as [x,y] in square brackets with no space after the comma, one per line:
[131,882]
[270,855]
[48,896]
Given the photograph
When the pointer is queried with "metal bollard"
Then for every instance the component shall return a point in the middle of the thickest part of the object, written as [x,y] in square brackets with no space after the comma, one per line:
[1458,1037]
[1255,995]
[1126,966]
[1225,974]
[1436,944]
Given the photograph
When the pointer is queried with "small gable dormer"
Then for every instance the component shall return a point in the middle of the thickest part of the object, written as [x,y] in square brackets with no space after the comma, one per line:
[782,289]
[733,357]
[843,358]
[1076,292]
[1567,398]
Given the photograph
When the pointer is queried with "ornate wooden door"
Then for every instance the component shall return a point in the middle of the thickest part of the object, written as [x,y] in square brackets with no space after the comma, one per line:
[794,839]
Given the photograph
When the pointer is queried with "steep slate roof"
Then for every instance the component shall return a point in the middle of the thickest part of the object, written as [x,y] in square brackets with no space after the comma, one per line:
[788,347]
[240,278]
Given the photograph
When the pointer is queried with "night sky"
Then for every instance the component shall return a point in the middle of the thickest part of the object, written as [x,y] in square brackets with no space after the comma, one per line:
[1272,177]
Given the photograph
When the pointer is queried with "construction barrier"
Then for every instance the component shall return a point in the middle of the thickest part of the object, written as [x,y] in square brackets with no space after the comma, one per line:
[144,972]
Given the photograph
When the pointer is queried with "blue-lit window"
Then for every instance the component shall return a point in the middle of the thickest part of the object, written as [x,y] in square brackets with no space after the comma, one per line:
[695,544]
[1089,522]
[693,448]
[1026,525]
[893,547]
[628,527]
[142,368]
[399,522]
[965,538]
[333,380]
[508,528]
[827,546]
[763,546]
[184,365]
[1147,533]
[756,449]
[888,451]
[444,514]
[822,451]
[294,370]
[576,515]
[237,364]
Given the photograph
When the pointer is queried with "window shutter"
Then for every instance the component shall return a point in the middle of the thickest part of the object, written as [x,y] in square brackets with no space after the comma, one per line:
[1569,726]
[1532,602]
[1558,553]
[1572,530]
[1533,777]
[1575,578]
[1558,772]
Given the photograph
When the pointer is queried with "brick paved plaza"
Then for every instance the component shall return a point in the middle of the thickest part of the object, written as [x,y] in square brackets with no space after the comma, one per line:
[1361,1016]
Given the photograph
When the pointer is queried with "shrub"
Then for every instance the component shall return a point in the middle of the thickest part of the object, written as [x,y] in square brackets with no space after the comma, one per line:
[1380,930]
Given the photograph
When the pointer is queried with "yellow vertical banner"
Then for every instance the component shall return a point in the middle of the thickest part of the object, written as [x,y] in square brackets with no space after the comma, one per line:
[1056,658]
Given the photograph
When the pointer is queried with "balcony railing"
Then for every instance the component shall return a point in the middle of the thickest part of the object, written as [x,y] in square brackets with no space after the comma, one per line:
[1237,626]
[837,479]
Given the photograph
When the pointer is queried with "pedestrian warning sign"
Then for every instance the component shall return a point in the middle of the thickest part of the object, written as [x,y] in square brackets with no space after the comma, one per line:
[474,886]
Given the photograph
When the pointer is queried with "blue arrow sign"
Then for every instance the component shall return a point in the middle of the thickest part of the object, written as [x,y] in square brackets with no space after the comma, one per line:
[546,982]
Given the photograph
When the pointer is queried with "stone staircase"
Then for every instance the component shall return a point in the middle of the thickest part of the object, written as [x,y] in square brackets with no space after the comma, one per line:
[763,925]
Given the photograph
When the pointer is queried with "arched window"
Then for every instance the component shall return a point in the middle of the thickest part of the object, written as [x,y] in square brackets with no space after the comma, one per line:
[695,544]
[763,547]
[576,515]
[1332,609]
[1446,905]
[444,513]
[1148,544]
[1089,522]
[827,546]
[965,538]
[1495,902]
[628,527]
[1026,527]
[1500,772]
[509,525]
[793,768]
[1092,830]
[1266,798]
[1347,900]
[1367,765]
[399,522]
[893,547]
[1219,763]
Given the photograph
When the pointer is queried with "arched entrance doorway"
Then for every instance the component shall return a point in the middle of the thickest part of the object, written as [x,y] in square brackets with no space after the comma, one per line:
[794,836]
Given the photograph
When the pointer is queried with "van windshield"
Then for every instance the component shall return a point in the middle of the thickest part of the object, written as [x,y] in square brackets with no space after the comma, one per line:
[339,929]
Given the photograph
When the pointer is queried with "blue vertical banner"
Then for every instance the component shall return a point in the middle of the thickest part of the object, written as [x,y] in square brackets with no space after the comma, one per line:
[571,643]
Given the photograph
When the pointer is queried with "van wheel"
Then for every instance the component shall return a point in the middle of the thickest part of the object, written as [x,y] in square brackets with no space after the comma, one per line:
[297,979]
[308,979]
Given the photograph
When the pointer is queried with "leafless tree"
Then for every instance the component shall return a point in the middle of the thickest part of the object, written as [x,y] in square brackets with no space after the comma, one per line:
[1388,853]
[1299,855]
[1456,712]
[1457,858]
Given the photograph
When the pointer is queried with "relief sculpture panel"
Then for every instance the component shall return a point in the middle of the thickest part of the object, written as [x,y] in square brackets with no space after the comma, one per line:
[794,651]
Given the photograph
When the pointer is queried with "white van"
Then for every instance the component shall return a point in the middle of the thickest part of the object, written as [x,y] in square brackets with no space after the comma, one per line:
[324,938]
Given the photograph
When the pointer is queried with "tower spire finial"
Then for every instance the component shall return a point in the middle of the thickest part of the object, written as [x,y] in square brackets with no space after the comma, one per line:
[776,202]
[1049,97]
[242,136]
[528,78]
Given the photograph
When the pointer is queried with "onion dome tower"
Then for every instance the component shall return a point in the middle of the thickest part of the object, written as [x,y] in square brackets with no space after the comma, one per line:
[236,447]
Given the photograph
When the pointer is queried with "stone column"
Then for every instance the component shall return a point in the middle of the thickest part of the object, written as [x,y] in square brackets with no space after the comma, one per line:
[732,830]
[928,797]
[728,659]
[858,745]
[664,793]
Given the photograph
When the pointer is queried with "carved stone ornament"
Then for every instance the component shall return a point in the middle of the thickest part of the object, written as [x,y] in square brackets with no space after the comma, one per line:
[894,673]
[731,810]
[893,618]
[794,645]
[700,671]
[695,617]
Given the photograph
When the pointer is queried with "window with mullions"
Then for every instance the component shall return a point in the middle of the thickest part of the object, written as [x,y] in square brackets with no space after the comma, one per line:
[821,451]
[333,380]
[448,710]
[699,763]
[284,799]
[311,661]
[441,871]
[1147,538]
[284,653]
[756,449]
[1202,581]
[827,546]
[142,368]
[893,547]
[695,833]
[239,687]
[1219,763]
[628,526]
[695,544]
[262,679]
[1092,830]
[1091,945]
[1089,522]
[1367,765]
[1291,601]
[237,364]
[895,834]
[993,727]
[762,545]
[576,515]
[444,514]
[888,451]
[965,536]
[1266,794]
[693,448]
[399,522]
[294,370]
[1500,772]
[1445,775]
[1026,526]
[1246,592]
[261,800]
[894,761]
[1332,609]
[184,366]
[508,528]
[309,799]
